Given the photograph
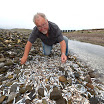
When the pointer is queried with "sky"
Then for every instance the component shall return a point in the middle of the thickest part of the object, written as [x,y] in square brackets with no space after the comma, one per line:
[67,14]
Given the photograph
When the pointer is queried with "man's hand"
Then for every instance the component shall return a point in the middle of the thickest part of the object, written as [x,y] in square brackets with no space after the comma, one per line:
[63,58]
[63,50]
[23,60]
[26,52]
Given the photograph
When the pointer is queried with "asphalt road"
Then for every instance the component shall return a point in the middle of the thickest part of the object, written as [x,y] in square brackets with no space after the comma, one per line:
[93,55]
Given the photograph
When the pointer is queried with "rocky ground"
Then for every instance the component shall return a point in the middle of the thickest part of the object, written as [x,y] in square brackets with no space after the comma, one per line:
[44,79]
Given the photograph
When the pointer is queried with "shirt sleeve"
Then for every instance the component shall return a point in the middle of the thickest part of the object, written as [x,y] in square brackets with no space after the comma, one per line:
[33,36]
[59,35]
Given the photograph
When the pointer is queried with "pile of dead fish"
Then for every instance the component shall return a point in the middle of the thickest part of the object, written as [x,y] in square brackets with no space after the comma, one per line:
[44,79]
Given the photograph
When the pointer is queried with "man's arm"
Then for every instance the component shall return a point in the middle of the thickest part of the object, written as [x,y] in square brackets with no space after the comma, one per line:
[63,51]
[26,52]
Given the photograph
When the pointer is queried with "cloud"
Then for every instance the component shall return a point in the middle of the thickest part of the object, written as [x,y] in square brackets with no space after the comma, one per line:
[68,14]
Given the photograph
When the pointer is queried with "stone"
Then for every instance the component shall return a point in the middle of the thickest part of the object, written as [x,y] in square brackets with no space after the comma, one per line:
[17,71]
[69,101]
[48,87]
[23,90]
[41,92]
[16,61]
[27,101]
[2,99]
[61,101]
[10,76]
[11,97]
[61,69]
[9,84]
[14,87]
[0,83]
[76,75]
[2,59]
[3,78]
[44,101]
[3,70]
[55,95]
[62,79]
[32,94]
[88,79]
[89,85]
[22,85]
[8,63]
[93,100]
[1,65]
[18,97]
[92,74]
[28,87]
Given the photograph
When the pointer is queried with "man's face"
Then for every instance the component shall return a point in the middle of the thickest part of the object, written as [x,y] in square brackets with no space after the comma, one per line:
[42,25]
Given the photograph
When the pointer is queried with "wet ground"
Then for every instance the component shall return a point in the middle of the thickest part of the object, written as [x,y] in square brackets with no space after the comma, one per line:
[92,54]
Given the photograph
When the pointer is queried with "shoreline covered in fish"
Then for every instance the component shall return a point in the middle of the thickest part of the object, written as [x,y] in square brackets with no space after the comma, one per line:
[44,79]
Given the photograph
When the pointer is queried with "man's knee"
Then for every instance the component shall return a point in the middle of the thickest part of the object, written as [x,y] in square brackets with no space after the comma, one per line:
[47,53]
[66,39]
[46,49]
